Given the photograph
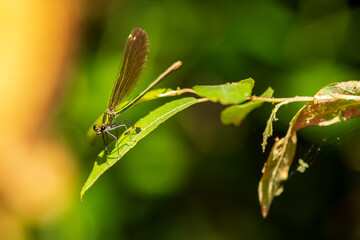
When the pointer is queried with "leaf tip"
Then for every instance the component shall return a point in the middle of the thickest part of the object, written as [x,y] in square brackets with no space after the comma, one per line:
[82,194]
[263,145]
[264,211]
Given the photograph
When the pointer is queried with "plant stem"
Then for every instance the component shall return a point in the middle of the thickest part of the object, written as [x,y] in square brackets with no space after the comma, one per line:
[306,99]
[276,100]
[178,92]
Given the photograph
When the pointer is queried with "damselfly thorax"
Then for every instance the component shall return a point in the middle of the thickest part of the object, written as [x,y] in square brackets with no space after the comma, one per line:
[108,120]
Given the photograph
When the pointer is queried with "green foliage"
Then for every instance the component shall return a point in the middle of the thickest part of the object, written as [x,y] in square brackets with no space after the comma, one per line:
[124,143]
[269,124]
[221,93]
[332,104]
[296,48]
[229,93]
[235,114]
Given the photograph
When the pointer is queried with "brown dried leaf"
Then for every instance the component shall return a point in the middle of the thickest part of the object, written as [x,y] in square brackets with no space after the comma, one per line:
[276,170]
[334,103]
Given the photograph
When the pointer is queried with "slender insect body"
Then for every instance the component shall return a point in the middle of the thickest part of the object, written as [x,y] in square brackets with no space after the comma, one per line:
[134,60]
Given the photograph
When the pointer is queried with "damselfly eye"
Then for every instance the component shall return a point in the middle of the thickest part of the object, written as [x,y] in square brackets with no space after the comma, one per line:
[95,127]
[102,128]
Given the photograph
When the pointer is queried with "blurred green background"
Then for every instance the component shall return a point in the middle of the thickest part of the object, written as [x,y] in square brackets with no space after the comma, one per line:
[194,178]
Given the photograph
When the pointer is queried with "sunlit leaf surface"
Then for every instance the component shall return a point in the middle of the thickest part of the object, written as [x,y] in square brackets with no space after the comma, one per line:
[229,93]
[237,113]
[146,125]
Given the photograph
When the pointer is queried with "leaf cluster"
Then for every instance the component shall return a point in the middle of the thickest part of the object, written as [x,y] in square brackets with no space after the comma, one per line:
[332,104]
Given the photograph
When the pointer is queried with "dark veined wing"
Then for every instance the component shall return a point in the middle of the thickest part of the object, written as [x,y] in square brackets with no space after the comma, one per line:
[134,60]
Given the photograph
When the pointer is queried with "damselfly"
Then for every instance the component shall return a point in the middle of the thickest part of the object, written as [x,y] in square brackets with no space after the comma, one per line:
[134,60]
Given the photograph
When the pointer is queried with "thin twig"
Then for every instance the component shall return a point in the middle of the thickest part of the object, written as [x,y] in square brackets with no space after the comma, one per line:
[177,92]
[276,100]
[306,99]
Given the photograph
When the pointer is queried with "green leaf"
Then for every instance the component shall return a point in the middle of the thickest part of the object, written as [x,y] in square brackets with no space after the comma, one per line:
[276,171]
[269,125]
[147,125]
[236,114]
[229,93]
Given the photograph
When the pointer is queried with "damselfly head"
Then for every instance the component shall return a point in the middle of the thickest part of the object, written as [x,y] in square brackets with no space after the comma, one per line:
[99,129]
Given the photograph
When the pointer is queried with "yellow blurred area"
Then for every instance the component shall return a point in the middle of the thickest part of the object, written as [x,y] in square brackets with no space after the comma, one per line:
[36,171]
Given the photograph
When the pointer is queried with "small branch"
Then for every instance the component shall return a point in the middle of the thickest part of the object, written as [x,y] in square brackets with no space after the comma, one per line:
[346,97]
[177,92]
[306,99]
[203,99]
[276,100]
